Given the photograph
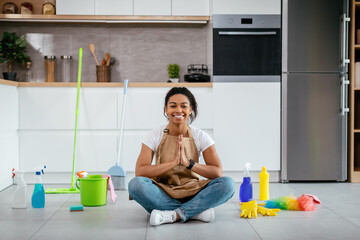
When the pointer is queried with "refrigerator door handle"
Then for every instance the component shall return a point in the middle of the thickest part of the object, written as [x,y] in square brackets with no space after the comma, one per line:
[344,21]
[344,92]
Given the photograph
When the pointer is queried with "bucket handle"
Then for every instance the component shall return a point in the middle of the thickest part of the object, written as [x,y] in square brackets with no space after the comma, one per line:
[77,186]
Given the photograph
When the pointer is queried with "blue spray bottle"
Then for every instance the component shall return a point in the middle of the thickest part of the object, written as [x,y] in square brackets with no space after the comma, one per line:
[246,189]
[38,196]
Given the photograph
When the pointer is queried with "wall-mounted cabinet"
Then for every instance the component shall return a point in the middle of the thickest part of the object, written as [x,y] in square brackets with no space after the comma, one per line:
[78,7]
[152,7]
[246,7]
[190,8]
[114,7]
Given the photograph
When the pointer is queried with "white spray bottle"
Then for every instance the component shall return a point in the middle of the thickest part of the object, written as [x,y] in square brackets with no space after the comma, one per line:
[20,197]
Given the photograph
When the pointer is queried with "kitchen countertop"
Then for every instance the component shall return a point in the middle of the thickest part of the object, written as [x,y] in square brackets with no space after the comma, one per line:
[110,84]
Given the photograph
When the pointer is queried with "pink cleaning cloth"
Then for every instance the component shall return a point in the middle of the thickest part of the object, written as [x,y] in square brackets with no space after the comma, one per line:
[113,195]
[307,202]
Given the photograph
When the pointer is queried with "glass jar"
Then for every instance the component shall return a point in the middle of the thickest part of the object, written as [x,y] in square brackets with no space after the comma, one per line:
[50,67]
[9,8]
[28,73]
[66,68]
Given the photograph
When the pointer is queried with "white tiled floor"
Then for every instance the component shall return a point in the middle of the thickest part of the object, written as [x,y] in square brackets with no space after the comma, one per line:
[338,217]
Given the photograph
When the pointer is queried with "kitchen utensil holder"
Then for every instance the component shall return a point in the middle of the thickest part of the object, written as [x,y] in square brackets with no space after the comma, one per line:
[102,73]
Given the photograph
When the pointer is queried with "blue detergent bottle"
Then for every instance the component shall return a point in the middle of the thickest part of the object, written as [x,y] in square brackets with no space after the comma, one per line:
[38,196]
[246,189]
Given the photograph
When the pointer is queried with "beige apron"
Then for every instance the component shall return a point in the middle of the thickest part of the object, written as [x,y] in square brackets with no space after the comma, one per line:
[178,182]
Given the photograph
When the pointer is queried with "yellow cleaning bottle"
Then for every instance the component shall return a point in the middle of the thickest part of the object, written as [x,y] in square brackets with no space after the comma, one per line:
[264,185]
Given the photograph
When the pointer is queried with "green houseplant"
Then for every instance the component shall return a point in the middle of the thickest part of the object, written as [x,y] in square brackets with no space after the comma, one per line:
[12,50]
[173,71]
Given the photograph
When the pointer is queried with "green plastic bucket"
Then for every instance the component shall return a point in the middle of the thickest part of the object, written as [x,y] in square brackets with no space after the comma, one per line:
[93,190]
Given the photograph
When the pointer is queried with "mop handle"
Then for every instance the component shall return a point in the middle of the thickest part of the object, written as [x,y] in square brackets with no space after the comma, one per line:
[76,116]
[122,121]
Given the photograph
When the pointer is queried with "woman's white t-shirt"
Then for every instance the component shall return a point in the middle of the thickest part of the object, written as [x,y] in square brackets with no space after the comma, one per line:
[202,139]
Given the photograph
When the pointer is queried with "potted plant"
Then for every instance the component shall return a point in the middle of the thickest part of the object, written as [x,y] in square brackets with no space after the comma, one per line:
[173,71]
[12,50]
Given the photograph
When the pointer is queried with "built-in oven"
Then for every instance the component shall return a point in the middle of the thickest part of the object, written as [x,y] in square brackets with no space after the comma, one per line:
[246,48]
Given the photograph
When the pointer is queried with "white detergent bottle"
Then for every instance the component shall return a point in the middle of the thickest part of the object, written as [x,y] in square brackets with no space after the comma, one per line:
[20,197]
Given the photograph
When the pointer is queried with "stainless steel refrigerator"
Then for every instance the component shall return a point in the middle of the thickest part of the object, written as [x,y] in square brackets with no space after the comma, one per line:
[314,90]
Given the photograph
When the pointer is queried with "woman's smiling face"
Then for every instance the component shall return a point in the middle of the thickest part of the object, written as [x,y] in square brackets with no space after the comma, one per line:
[178,109]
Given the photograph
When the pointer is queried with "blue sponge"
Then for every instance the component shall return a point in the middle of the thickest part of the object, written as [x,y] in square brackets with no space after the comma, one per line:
[76,208]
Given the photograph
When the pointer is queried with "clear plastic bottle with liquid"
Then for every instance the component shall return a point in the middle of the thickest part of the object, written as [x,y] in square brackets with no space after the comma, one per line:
[38,196]
[246,189]
[20,197]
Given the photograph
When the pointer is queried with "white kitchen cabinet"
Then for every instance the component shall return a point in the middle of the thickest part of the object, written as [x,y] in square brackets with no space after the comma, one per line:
[54,108]
[190,7]
[77,7]
[152,7]
[114,7]
[246,7]
[47,123]
[9,143]
[247,125]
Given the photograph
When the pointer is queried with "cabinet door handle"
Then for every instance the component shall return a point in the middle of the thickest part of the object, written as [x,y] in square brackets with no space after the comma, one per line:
[344,90]
[224,33]
[344,21]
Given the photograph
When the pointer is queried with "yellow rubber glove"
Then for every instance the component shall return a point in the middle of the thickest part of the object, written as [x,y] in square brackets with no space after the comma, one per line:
[249,209]
[267,212]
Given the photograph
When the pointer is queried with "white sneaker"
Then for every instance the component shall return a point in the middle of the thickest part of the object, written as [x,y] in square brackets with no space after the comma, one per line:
[206,216]
[158,217]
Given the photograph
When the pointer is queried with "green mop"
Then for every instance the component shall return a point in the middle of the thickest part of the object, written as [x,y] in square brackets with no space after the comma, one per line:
[72,189]
[117,173]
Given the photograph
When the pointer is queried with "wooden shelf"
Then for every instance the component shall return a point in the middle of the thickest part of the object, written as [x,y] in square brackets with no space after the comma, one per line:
[109,84]
[103,18]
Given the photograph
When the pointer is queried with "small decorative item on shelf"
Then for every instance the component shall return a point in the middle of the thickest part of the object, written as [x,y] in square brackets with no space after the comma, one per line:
[28,73]
[48,9]
[50,67]
[26,8]
[357,74]
[102,73]
[66,68]
[12,50]
[9,8]
[173,71]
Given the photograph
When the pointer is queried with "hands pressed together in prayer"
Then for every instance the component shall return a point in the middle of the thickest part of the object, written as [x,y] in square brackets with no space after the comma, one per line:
[179,155]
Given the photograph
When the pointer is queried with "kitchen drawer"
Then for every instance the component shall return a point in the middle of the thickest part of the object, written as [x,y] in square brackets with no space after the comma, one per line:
[114,7]
[190,7]
[78,7]
[152,7]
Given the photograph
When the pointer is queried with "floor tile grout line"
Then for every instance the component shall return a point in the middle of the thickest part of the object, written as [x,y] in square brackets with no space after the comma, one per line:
[147,225]
[342,217]
[254,229]
[32,236]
